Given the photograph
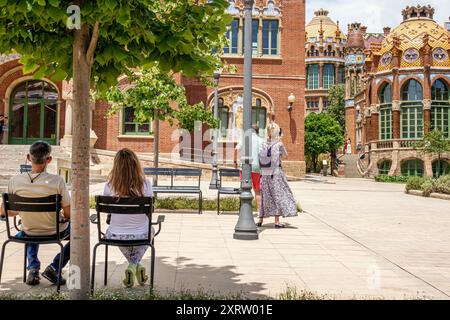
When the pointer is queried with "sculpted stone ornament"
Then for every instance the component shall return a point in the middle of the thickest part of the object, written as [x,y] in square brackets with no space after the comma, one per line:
[374,108]
[395,105]
[386,59]
[427,104]
[411,55]
[440,55]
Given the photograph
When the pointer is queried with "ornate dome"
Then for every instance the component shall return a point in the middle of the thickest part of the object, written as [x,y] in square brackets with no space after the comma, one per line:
[322,23]
[417,27]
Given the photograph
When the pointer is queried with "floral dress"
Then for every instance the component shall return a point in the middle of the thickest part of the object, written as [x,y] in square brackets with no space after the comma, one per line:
[277,198]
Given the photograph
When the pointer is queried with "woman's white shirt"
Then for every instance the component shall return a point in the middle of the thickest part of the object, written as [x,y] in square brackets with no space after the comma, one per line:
[122,224]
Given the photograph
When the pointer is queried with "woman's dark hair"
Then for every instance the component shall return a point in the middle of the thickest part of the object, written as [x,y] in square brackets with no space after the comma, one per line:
[39,152]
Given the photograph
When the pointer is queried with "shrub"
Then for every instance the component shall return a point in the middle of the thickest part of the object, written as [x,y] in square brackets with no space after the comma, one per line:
[391,179]
[442,184]
[414,183]
[427,187]
[227,204]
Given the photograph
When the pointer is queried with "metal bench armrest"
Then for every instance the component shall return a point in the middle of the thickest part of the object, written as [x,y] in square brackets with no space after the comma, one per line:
[93,218]
[159,222]
[17,223]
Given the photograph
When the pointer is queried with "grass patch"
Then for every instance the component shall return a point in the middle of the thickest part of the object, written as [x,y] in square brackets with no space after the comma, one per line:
[227,204]
[291,293]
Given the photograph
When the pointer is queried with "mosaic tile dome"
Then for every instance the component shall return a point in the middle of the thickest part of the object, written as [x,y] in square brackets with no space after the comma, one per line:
[321,21]
[417,24]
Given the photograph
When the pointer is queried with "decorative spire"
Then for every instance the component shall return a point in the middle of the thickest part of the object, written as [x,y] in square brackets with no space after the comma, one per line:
[355,36]
[418,12]
[321,31]
[321,13]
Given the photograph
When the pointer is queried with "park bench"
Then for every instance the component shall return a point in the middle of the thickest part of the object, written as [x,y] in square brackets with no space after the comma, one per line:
[33,206]
[227,173]
[113,205]
[24,168]
[173,188]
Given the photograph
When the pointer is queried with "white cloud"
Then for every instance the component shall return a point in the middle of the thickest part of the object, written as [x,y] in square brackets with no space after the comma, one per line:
[375,14]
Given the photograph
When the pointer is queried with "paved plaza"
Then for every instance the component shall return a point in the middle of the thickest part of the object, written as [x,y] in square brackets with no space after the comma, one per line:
[355,239]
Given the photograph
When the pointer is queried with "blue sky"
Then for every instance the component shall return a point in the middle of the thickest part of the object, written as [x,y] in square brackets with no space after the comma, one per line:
[375,14]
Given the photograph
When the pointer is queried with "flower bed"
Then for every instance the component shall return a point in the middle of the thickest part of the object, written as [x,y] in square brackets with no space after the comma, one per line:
[429,187]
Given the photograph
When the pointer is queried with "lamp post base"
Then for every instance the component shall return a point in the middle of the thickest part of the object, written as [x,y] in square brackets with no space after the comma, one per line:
[214,184]
[245,235]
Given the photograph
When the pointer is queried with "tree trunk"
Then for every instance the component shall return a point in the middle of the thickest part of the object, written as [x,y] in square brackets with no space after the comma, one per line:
[80,238]
[156,146]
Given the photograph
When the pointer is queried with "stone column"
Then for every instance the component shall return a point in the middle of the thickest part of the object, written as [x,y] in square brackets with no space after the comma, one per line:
[67,95]
[396,119]
[375,122]
[336,73]
[395,105]
[426,116]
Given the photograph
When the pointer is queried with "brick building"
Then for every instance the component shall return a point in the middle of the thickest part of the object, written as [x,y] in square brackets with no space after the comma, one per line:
[278,81]
[397,90]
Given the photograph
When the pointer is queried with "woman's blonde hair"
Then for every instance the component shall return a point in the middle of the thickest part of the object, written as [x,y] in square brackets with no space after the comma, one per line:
[273,131]
[127,177]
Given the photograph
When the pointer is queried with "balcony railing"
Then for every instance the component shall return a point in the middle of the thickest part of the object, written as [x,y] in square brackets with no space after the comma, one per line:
[391,144]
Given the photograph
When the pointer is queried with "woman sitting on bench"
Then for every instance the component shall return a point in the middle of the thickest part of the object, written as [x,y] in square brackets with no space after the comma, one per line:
[127,179]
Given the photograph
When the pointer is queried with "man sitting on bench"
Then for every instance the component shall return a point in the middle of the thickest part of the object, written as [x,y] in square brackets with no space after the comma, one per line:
[36,184]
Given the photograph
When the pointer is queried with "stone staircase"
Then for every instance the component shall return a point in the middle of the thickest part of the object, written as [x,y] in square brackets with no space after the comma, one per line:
[12,156]
[351,169]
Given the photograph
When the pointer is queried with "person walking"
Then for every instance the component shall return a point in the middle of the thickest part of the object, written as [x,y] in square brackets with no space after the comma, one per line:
[127,180]
[2,127]
[277,198]
[348,149]
[256,143]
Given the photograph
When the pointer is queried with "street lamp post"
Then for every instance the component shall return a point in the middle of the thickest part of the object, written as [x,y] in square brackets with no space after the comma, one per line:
[214,177]
[246,228]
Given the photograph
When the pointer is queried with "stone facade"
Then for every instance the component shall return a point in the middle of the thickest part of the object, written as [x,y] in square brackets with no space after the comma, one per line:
[278,75]
[400,89]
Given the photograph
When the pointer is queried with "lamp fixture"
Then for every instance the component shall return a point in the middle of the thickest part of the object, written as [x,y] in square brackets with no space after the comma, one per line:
[291,100]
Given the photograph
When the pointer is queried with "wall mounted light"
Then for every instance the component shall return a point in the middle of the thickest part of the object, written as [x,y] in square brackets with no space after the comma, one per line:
[291,100]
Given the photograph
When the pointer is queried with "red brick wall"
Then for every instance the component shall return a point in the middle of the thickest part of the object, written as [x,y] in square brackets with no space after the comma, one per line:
[277,77]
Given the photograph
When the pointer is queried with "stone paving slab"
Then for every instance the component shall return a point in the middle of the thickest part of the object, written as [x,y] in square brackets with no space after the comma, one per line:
[356,238]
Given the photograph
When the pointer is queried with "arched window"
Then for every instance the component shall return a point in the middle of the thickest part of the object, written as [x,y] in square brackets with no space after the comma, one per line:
[384,167]
[312,51]
[439,91]
[328,76]
[412,91]
[313,76]
[440,107]
[412,110]
[33,112]
[412,167]
[385,97]
[440,168]
[386,94]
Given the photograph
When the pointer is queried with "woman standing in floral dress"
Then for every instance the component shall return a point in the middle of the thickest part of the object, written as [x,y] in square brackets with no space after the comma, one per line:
[277,198]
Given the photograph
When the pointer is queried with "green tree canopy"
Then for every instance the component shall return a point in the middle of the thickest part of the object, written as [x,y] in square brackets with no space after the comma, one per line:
[434,143]
[322,135]
[123,34]
[153,90]
[336,104]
